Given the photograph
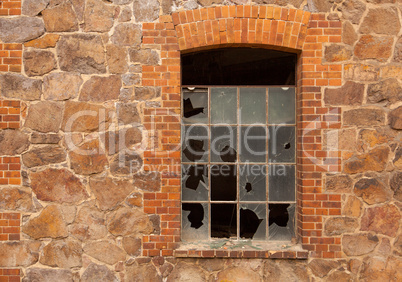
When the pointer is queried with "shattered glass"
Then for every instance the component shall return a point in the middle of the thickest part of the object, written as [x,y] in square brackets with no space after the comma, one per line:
[282,183]
[253,105]
[195,144]
[253,144]
[194,183]
[195,105]
[194,221]
[281,222]
[224,105]
[253,221]
[223,144]
[281,109]
[282,144]
[252,182]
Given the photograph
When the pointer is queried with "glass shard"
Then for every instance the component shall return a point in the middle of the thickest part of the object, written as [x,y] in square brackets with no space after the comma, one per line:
[194,221]
[223,220]
[223,144]
[282,105]
[281,222]
[253,105]
[282,144]
[253,140]
[224,105]
[195,105]
[195,183]
[223,183]
[252,182]
[282,183]
[195,144]
[253,221]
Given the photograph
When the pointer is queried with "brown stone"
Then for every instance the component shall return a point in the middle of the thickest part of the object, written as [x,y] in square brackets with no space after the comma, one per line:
[79,8]
[321,267]
[60,18]
[128,113]
[374,47]
[48,224]
[20,29]
[317,6]
[132,246]
[110,193]
[359,72]
[122,2]
[38,63]
[33,7]
[19,253]
[383,219]
[354,265]
[359,244]
[47,41]
[395,118]
[48,275]
[384,249]
[16,86]
[375,160]
[186,272]
[373,269]
[127,34]
[39,138]
[148,181]
[396,185]
[146,10]
[143,273]
[116,58]
[382,20]
[124,141]
[349,35]
[398,51]
[350,93]
[99,273]
[38,156]
[372,191]
[337,53]
[130,79]
[98,16]
[126,164]
[127,221]
[147,93]
[61,86]
[83,117]
[398,158]
[392,71]
[339,275]
[81,53]
[13,142]
[339,225]
[338,183]
[15,199]
[88,158]
[352,10]
[398,245]
[57,185]
[381,1]
[126,95]
[144,56]
[105,251]
[387,90]
[369,138]
[126,15]
[352,207]
[101,89]
[394,268]
[134,200]
[207,3]
[295,3]
[44,116]
[90,224]
[285,270]
[364,117]
[62,253]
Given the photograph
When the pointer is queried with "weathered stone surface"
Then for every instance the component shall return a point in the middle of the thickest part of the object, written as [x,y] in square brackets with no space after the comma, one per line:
[339,275]
[44,116]
[374,47]
[384,249]
[186,272]
[132,246]
[38,156]
[20,87]
[98,16]
[110,193]
[48,275]
[383,219]
[398,51]
[127,34]
[126,164]
[396,185]
[20,29]
[394,268]
[144,56]
[359,244]
[81,53]
[387,90]
[375,160]
[351,93]
[88,158]
[62,253]
[101,89]
[392,71]
[134,200]
[148,181]
[398,158]
[147,93]
[127,221]
[131,79]
[83,117]
[124,141]
[33,7]
[39,138]
[373,269]
[48,224]
[337,53]
[61,86]
[321,267]
[364,117]
[382,20]
[369,138]
[90,224]
[47,41]
[13,142]
[57,185]
[359,72]
[99,273]
[207,3]
[395,118]
[37,63]
[116,58]
[295,3]
[128,113]
[352,207]
[12,198]
[125,15]
[105,251]
[122,2]
[19,253]
[146,10]
[352,10]
[320,5]
[340,225]
[398,245]
[60,18]
[381,1]
[349,35]
[372,191]
[143,273]
[126,95]
[338,183]
[79,8]
[285,270]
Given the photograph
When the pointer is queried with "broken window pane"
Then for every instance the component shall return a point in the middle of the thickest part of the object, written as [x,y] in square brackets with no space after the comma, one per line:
[281,105]
[253,221]
[195,183]
[253,105]
[252,182]
[223,220]
[253,143]
[282,144]
[223,183]
[195,105]
[224,105]
[223,144]
[282,183]
[195,147]
[194,221]
[281,222]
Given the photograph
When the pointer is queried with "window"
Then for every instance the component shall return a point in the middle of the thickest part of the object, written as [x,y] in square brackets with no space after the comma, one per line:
[238,145]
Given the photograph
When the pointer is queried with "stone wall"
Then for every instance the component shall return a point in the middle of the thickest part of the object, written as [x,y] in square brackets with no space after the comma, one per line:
[90,96]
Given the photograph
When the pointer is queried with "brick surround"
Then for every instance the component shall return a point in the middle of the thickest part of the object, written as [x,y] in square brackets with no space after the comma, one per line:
[10,7]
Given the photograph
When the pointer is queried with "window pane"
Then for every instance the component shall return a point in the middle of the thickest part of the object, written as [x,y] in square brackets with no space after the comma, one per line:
[281,222]
[195,144]
[252,182]
[224,105]
[223,144]
[195,105]
[194,183]
[253,143]
[253,105]
[253,221]
[282,144]
[194,222]
[223,220]
[282,183]
[281,105]
[223,183]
